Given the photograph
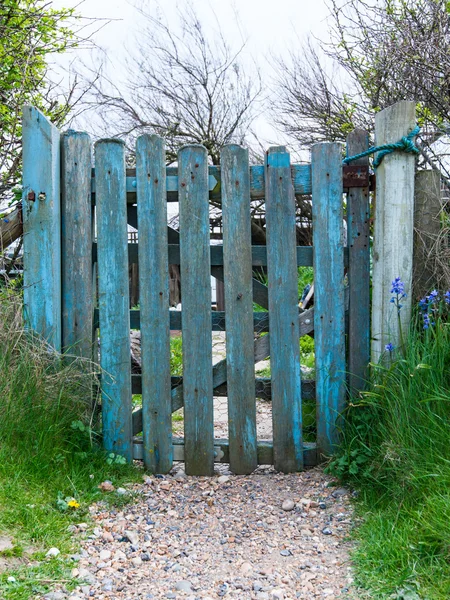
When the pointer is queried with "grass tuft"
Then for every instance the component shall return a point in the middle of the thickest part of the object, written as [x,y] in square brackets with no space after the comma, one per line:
[396,453]
[51,461]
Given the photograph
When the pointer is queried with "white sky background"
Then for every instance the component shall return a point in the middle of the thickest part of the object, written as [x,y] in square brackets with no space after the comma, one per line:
[271,29]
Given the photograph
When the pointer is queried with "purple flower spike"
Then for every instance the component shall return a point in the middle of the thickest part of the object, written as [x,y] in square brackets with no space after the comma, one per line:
[398,287]
[389,348]
[447,297]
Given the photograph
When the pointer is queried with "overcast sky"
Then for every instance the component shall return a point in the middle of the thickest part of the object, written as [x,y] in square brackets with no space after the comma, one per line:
[269,28]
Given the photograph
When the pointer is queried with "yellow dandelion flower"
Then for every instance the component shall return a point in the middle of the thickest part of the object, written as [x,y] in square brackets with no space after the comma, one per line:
[73,504]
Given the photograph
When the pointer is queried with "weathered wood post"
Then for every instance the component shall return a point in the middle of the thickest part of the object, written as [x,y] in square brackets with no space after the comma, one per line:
[426,230]
[41,226]
[394,227]
[76,244]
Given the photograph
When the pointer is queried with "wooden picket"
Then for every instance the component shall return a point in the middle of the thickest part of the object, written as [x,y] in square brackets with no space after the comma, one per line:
[239,309]
[113,296]
[154,285]
[196,324]
[139,198]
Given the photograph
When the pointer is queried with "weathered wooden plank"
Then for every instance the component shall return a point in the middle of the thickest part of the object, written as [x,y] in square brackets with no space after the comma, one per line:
[283,306]
[76,244]
[196,281]
[427,226]
[11,226]
[263,388]
[113,297]
[358,233]
[41,226]
[329,315]
[394,226]
[259,255]
[222,452]
[300,175]
[154,303]
[237,268]
[218,323]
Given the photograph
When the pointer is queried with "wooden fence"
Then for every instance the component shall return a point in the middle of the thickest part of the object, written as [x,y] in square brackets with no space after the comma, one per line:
[75,224]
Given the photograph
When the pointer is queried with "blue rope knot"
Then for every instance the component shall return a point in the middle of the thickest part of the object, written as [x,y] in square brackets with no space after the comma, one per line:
[406,144]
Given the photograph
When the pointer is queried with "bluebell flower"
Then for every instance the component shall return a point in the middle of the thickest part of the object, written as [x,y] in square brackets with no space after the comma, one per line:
[389,347]
[398,287]
[447,297]
[433,297]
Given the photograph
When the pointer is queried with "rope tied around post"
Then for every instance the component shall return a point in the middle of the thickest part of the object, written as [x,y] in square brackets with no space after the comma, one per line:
[406,144]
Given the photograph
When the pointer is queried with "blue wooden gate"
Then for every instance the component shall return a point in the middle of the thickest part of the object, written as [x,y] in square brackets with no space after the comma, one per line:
[75,223]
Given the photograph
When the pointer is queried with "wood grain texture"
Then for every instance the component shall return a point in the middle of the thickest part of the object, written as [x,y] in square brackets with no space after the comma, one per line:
[196,285]
[154,303]
[393,229]
[300,175]
[329,307]
[41,226]
[222,453]
[11,226]
[427,226]
[76,244]
[283,307]
[113,297]
[358,241]
[237,268]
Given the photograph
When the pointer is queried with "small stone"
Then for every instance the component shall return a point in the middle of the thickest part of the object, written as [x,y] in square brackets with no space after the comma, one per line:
[328,592]
[322,505]
[121,491]
[262,596]
[82,526]
[286,553]
[184,586]
[132,537]
[246,568]
[339,493]
[288,505]
[327,531]
[107,536]
[11,579]
[52,553]
[55,596]
[171,595]
[180,476]
[105,555]
[145,556]
[106,486]
[137,561]
[223,479]
[277,594]
[257,586]
[164,485]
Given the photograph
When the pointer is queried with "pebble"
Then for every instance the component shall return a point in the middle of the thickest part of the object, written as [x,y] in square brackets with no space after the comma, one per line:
[288,505]
[121,491]
[327,531]
[55,596]
[52,553]
[133,537]
[106,486]
[11,579]
[184,586]
[201,538]
[105,555]
[339,493]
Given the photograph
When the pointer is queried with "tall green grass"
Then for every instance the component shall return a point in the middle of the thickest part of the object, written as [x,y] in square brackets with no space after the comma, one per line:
[396,452]
[50,449]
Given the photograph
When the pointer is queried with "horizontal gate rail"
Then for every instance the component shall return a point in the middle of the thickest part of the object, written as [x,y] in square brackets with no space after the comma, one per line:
[353,176]
[259,255]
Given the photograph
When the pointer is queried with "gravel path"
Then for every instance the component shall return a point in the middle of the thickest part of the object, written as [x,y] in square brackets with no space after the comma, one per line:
[262,537]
